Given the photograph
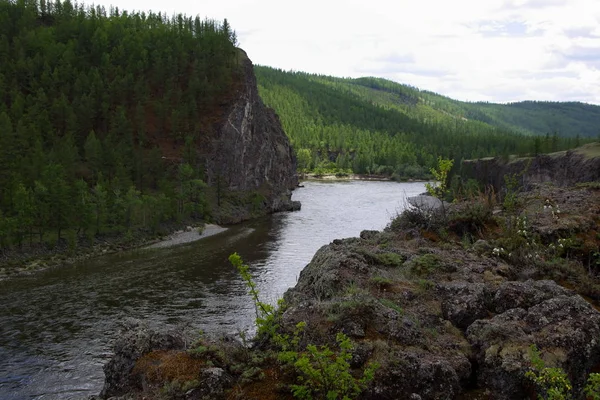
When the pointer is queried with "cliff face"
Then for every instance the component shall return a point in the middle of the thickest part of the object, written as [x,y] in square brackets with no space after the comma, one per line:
[251,153]
[562,169]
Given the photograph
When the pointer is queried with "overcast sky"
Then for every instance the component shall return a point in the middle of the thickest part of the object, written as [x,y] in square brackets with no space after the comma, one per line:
[490,50]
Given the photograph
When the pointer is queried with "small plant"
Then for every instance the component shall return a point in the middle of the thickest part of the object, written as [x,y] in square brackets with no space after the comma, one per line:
[592,387]
[440,174]
[325,374]
[552,383]
[391,259]
[267,315]
[425,264]
[322,373]
[380,282]
[425,284]
[511,185]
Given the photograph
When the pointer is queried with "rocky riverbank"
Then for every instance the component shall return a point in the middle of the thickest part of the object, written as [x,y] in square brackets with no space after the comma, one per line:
[448,306]
[34,259]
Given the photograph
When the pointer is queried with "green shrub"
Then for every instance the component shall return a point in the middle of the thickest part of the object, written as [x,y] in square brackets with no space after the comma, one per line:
[390,304]
[325,374]
[391,259]
[551,383]
[425,264]
[380,282]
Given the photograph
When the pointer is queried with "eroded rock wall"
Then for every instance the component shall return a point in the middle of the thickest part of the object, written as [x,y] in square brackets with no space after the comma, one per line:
[250,152]
[561,169]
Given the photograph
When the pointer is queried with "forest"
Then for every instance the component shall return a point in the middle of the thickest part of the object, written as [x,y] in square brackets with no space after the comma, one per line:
[101,113]
[375,126]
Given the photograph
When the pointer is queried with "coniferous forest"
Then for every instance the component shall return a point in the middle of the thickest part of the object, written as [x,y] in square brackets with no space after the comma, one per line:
[375,126]
[100,112]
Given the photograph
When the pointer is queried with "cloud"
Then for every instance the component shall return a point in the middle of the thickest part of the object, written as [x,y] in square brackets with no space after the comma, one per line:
[512,28]
[589,55]
[582,32]
[537,4]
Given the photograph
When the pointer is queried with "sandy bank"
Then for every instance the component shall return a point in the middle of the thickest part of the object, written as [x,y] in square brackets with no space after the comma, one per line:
[188,236]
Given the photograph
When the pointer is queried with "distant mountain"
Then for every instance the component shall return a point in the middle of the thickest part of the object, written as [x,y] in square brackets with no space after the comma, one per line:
[373,125]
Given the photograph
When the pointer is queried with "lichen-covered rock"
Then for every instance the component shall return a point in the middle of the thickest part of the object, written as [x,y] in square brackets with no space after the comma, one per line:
[525,294]
[132,344]
[213,384]
[418,374]
[463,302]
[565,328]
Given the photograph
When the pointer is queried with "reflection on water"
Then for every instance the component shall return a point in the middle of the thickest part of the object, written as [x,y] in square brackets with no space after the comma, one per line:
[56,328]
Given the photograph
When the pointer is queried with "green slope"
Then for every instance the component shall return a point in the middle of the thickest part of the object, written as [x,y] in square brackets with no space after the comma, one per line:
[372,125]
[567,119]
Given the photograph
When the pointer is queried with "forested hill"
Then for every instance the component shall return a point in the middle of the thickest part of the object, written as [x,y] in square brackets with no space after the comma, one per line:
[371,125]
[567,119]
[104,118]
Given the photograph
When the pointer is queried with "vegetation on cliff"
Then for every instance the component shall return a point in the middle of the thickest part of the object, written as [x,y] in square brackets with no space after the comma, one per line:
[375,126]
[108,121]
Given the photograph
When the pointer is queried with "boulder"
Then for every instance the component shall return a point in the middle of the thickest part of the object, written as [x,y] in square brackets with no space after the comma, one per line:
[565,328]
[133,343]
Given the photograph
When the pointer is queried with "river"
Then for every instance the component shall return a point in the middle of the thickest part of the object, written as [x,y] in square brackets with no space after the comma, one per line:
[56,328]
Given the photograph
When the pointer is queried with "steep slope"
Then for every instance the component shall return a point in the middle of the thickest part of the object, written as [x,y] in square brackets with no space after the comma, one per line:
[371,125]
[565,168]
[250,155]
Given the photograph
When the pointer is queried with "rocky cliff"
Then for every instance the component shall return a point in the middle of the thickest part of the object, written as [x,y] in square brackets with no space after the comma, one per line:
[562,169]
[250,156]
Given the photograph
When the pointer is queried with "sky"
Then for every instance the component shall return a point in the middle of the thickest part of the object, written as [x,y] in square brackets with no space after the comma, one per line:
[471,50]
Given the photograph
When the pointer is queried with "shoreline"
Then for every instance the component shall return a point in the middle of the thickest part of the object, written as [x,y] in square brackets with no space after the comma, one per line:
[35,265]
[188,236]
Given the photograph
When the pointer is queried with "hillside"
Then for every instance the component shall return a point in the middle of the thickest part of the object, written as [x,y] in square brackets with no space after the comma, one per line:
[372,125]
[117,123]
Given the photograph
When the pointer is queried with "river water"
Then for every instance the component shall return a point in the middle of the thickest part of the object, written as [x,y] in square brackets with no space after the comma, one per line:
[56,328]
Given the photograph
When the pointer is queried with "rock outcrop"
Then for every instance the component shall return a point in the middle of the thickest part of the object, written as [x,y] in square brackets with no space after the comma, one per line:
[441,331]
[250,152]
[561,169]
[134,342]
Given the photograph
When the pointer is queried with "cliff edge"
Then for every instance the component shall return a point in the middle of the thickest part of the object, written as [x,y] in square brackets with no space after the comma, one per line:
[564,168]
[250,164]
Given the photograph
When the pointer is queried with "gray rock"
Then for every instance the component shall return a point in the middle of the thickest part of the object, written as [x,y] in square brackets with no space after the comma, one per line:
[426,202]
[131,345]
[422,375]
[565,328]
[525,294]
[250,152]
[213,383]
[463,302]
